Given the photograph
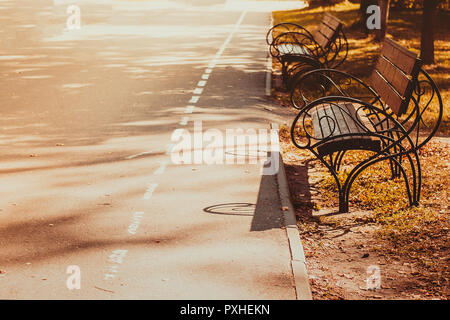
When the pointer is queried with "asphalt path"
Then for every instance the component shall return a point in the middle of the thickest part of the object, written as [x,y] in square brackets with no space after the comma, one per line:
[88,180]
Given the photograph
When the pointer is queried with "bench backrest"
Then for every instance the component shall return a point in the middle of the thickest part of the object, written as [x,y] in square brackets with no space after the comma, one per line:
[394,74]
[327,31]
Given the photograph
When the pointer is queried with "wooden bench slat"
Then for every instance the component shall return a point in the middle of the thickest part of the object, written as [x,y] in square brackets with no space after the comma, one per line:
[326,31]
[343,116]
[391,97]
[341,123]
[401,57]
[332,21]
[321,124]
[321,39]
[290,48]
[365,125]
[348,114]
[394,76]
[344,124]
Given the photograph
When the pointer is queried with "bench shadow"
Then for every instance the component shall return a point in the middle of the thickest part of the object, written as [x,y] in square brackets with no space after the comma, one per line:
[303,195]
[266,212]
[232,209]
[300,189]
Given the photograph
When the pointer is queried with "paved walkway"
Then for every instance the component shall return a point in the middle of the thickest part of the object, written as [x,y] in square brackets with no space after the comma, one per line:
[87,119]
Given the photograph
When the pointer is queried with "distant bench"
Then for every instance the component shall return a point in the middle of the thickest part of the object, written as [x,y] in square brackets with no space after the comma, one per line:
[299,50]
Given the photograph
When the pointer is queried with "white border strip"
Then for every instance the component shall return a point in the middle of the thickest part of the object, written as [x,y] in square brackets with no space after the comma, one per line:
[269,68]
[298,261]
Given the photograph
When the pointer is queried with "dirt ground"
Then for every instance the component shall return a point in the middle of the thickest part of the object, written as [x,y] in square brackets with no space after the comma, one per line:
[344,254]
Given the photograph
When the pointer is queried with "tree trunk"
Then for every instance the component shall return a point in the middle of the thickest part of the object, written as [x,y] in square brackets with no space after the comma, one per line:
[427,37]
[384,16]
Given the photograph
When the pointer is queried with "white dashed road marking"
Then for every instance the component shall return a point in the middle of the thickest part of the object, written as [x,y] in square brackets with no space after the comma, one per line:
[117,256]
[161,169]
[184,121]
[189,109]
[149,192]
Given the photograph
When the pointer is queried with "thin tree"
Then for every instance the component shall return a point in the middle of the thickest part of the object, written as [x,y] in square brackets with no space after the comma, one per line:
[380,34]
[427,37]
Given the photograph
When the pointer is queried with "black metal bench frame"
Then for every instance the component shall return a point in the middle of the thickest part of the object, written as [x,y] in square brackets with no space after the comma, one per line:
[299,50]
[339,112]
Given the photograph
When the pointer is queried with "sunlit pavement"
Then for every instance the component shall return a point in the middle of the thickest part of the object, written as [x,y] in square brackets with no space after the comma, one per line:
[86,121]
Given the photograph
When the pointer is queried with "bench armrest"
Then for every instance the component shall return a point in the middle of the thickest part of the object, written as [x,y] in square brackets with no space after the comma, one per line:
[282,28]
[330,82]
[425,111]
[337,51]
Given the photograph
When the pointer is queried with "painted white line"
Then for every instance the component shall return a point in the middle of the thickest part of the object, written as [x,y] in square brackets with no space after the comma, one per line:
[169,148]
[198,91]
[269,69]
[142,154]
[135,222]
[184,121]
[115,259]
[189,109]
[162,168]
[117,256]
[194,99]
[269,76]
[149,192]
[228,40]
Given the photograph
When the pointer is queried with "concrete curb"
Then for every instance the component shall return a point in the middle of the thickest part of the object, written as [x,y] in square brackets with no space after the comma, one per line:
[298,261]
[269,67]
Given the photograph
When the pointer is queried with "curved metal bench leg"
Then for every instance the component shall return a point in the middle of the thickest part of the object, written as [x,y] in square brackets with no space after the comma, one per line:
[336,162]
[364,165]
[343,204]
[284,66]
[415,179]
[395,170]
[339,160]
[419,178]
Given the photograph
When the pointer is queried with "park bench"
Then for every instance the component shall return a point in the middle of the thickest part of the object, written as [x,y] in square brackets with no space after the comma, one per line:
[299,50]
[393,115]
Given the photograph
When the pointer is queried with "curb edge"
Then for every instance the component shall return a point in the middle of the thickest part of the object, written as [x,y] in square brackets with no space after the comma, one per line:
[298,261]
